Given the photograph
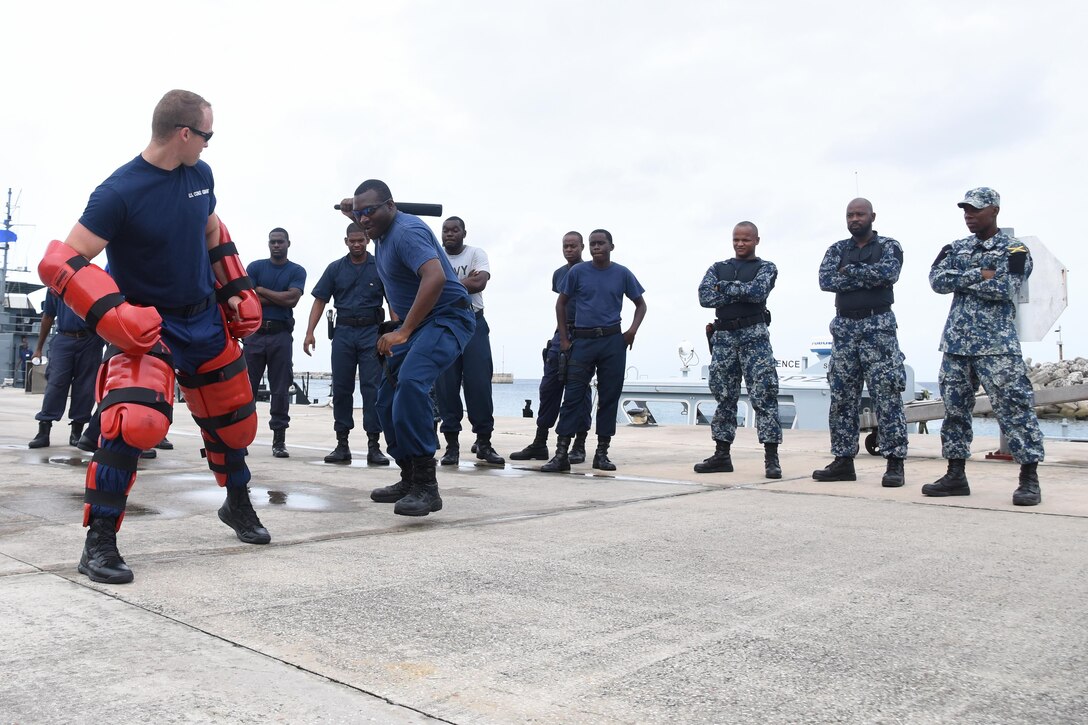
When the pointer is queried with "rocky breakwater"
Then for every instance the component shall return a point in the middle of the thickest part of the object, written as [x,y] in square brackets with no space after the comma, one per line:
[1062,374]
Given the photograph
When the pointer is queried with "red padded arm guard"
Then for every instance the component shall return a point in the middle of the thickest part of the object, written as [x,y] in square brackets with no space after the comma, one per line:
[228,266]
[94,296]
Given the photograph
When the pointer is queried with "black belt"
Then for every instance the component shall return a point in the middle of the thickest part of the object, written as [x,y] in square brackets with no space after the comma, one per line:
[582,332]
[739,323]
[186,311]
[864,312]
[78,334]
[270,327]
[375,318]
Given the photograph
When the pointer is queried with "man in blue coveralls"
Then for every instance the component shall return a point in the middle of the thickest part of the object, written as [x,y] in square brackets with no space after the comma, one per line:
[278,283]
[353,282]
[554,378]
[74,355]
[596,289]
[436,323]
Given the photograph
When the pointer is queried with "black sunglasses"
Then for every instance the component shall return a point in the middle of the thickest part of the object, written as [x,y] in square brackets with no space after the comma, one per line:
[206,135]
[368,210]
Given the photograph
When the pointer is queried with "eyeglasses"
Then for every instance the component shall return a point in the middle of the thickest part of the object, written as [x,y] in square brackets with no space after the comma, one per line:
[206,135]
[367,211]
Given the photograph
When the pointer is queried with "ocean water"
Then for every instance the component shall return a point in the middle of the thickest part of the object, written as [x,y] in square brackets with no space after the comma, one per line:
[510,400]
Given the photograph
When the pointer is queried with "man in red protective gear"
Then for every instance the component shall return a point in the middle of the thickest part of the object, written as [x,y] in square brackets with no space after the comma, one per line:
[176,299]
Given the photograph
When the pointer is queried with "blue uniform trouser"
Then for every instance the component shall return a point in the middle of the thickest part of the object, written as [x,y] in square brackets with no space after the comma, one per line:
[404,408]
[551,391]
[607,357]
[745,352]
[192,341]
[866,352]
[472,370]
[1005,379]
[272,351]
[73,363]
[355,350]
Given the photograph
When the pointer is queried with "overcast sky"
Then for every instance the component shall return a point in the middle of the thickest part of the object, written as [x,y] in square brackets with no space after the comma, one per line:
[665,123]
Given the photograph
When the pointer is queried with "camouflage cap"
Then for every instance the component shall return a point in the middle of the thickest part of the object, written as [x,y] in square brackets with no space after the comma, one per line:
[981,198]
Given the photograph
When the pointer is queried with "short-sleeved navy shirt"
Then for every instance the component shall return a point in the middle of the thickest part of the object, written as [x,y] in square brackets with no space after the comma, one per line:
[558,277]
[356,289]
[406,246]
[154,222]
[597,294]
[64,319]
[278,278]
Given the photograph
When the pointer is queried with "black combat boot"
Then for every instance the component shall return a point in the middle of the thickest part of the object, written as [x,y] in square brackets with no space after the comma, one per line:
[279,443]
[952,483]
[89,440]
[165,445]
[452,456]
[422,497]
[77,431]
[340,454]
[394,493]
[560,461]
[771,467]
[1028,493]
[101,560]
[720,462]
[535,451]
[42,439]
[374,455]
[894,476]
[237,512]
[600,457]
[485,453]
[577,452]
[840,469]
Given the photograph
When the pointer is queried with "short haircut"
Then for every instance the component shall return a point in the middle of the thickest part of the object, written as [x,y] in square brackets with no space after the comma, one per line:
[282,231]
[607,234]
[747,224]
[177,108]
[459,220]
[577,234]
[376,185]
[353,227]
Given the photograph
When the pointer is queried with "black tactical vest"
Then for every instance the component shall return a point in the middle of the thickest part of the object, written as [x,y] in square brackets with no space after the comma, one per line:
[738,270]
[863,299]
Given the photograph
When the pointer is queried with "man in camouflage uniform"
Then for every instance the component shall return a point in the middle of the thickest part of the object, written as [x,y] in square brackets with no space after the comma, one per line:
[741,345]
[984,273]
[861,271]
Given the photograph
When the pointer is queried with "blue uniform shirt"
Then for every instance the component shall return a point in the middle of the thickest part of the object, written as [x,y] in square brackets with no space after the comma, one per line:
[597,294]
[558,277]
[154,222]
[356,288]
[406,246]
[278,278]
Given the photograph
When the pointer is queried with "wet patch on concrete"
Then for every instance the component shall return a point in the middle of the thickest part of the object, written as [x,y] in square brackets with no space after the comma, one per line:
[460,491]
[214,496]
[131,508]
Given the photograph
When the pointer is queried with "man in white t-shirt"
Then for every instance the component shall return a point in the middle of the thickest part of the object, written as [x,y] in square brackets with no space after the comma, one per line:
[473,369]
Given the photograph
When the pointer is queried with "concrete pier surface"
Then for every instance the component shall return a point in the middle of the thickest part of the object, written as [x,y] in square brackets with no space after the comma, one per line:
[651,595]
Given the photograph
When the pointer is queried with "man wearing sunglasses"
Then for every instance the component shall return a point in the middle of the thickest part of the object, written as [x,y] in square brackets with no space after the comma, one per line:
[176,298]
[436,326]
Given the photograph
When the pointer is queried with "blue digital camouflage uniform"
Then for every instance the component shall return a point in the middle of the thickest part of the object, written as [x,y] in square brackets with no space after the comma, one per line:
[745,351]
[980,344]
[865,349]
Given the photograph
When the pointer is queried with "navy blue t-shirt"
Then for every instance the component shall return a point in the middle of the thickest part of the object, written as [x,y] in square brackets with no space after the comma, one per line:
[64,319]
[355,288]
[597,294]
[558,277]
[154,221]
[278,278]
[406,246]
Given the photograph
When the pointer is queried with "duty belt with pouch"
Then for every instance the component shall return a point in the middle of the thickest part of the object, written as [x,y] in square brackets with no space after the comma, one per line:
[375,317]
[270,327]
[591,332]
[863,312]
[739,323]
